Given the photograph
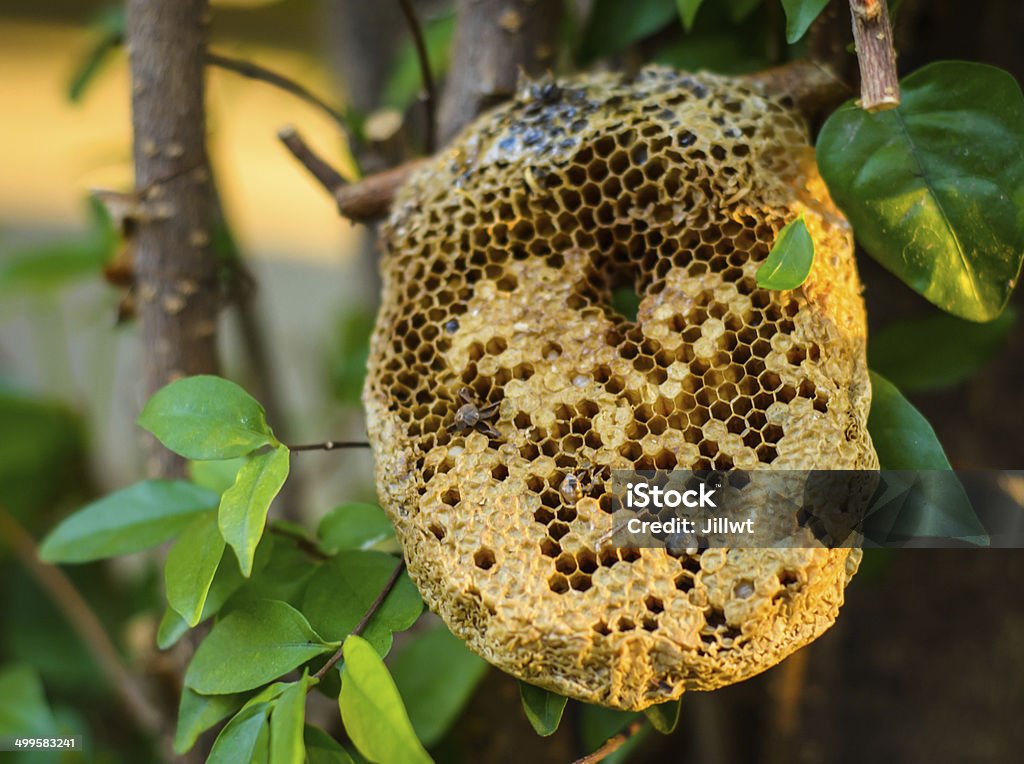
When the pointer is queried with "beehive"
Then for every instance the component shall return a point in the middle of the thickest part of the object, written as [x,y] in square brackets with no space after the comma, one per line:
[502,257]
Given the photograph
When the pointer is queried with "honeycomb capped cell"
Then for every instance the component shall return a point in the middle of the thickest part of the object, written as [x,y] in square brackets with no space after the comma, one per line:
[506,379]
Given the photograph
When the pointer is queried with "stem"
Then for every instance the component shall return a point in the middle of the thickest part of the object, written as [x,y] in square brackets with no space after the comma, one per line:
[262,74]
[612,744]
[329,445]
[301,541]
[85,623]
[872,33]
[374,607]
[318,167]
[430,91]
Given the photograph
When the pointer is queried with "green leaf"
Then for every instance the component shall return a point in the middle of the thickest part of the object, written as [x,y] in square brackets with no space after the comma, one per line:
[198,713]
[23,707]
[354,526]
[740,9]
[598,723]
[191,565]
[800,14]
[902,437]
[665,716]
[344,588]
[109,34]
[281,571]
[372,709]
[217,475]
[790,258]
[543,708]
[252,646]
[134,518]
[321,748]
[206,417]
[245,739]
[688,11]
[935,187]
[243,507]
[436,676]
[405,80]
[287,719]
[916,354]
[613,25]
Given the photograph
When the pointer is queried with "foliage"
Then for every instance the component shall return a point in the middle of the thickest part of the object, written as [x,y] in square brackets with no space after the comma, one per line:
[543,708]
[790,259]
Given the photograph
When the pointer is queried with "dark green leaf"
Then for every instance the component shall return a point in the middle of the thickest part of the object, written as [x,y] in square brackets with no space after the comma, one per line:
[191,565]
[372,709]
[935,188]
[321,748]
[245,739]
[688,11]
[134,518]
[252,646]
[243,507]
[286,569]
[800,14]
[354,526]
[342,590]
[790,258]
[287,719]
[664,717]
[23,707]
[613,25]
[109,34]
[598,723]
[740,9]
[436,675]
[406,80]
[206,417]
[903,439]
[916,354]
[198,713]
[543,708]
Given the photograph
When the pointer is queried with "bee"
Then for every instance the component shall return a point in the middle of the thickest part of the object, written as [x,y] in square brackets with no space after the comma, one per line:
[471,416]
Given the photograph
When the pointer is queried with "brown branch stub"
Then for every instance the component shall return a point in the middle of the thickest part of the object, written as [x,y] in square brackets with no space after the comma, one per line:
[429,88]
[813,86]
[176,272]
[612,744]
[872,33]
[318,167]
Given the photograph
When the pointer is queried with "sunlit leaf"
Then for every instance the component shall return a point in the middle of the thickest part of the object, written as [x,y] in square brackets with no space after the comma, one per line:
[664,716]
[543,708]
[287,718]
[243,507]
[191,565]
[935,187]
[245,738]
[218,475]
[790,258]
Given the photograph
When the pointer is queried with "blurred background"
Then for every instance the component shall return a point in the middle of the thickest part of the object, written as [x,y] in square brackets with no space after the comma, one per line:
[926,662]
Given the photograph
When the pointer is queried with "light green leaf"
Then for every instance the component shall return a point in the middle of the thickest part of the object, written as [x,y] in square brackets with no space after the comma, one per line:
[436,676]
[354,526]
[935,187]
[916,354]
[688,11]
[321,748]
[109,34]
[372,709]
[206,417]
[790,258]
[134,518]
[665,716]
[198,713]
[243,507]
[543,708]
[218,475]
[800,14]
[245,739]
[252,646]
[287,719]
[23,707]
[613,25]
[342,590]
[191,565]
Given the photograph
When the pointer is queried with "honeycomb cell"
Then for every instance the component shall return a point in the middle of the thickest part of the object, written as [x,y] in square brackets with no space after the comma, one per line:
[504,385]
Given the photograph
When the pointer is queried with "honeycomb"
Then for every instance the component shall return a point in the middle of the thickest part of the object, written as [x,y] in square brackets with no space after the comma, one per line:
[504,386]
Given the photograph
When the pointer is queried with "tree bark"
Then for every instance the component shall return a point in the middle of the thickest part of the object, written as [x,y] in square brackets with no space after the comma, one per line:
[494,41]
[175,269]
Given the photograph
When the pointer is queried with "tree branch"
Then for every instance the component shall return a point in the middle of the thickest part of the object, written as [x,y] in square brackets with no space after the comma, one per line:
[814,87]
[175,270]
[430,91]
[374,607]
[613,743]
[83,620]
[879,81]
[330,445]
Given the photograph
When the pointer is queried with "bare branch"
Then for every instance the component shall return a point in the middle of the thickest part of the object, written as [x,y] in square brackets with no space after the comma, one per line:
[330,445]
[83,620]
[430,91]
[613,743]
[813,86]
[370,611]
[326,175]
[879,81]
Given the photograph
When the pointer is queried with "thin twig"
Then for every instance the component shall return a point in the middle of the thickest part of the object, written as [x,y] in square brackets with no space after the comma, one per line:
[327,176]
[872,33]
[85,623]
[263,74]
[612,744]
[430,91]
[370,612]
[302,542]
[330,445]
